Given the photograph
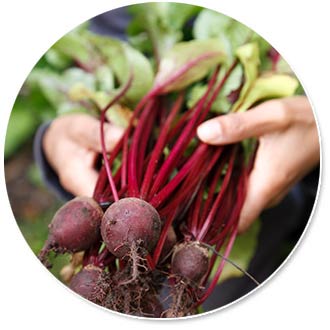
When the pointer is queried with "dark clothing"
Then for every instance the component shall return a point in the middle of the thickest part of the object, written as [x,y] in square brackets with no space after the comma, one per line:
[112,23]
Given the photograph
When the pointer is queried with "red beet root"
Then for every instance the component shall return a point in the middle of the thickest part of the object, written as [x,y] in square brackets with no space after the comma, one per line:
[191,261]
[90,283]
[130,220]
[75,227]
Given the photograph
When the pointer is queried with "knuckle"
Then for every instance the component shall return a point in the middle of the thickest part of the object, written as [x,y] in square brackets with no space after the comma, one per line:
[282,113]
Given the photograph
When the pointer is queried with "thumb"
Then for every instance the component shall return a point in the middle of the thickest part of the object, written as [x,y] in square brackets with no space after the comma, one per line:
[234,127]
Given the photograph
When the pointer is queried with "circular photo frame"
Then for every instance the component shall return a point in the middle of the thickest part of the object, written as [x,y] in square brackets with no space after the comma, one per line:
[172,156]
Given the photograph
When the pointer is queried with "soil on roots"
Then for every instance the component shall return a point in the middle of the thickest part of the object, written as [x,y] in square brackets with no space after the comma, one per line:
[134,289]
[184,295]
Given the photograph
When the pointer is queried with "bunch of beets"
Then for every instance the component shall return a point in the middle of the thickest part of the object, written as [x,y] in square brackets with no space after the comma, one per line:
[147,230]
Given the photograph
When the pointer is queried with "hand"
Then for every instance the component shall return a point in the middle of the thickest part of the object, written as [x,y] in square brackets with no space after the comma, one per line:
[72,144]
[288,148]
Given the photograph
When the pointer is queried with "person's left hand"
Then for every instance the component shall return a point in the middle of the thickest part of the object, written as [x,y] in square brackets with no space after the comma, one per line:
[71,145]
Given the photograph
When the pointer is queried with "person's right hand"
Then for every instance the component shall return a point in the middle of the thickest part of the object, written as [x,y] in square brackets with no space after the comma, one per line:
[71,145]
[288,148]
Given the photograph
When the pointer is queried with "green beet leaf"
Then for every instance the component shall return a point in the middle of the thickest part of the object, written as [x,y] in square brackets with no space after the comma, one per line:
[269,86]
[221,104]
[57,59]
[105,79]
[56,87]
[195,93]
[124,60]
[143,75]
[186,63]
[231,33]
[74,45]
[248,55]
[157,26]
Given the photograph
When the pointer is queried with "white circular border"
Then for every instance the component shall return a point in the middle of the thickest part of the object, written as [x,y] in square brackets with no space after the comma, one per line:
[33,299]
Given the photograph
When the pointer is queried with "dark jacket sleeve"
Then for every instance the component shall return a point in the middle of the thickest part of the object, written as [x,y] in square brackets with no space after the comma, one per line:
[49,176]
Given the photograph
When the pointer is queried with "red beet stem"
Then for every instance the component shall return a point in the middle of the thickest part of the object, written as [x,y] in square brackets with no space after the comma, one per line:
[207,223]
[189,130]
[213,185]
[159,147]
[197,176]
[197,173]
[121,93]
[224,213]
[162,238]
[147,141]
[195,211]
[187,192]
[150,262]
[178,127]
[137,147]
[183,140]
[183,172]
[104,258]
[100,185]
[234,216]
[125,138]
[124,162]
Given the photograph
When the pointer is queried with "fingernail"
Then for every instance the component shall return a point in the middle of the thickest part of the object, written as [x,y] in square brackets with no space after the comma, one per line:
[209,131]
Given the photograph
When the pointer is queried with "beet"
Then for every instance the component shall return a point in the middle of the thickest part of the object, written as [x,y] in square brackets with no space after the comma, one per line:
[90,283]
[75,227]
[130,220]
[191,261]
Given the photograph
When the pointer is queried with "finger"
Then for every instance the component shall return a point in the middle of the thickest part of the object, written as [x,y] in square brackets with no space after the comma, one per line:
[255,201]
[86,131]
[234,127]
[79,180]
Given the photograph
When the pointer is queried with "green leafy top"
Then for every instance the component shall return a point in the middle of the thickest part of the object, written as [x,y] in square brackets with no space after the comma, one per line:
[158,26]
[231,33]
[259,87]
[124,60]
[188,62]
